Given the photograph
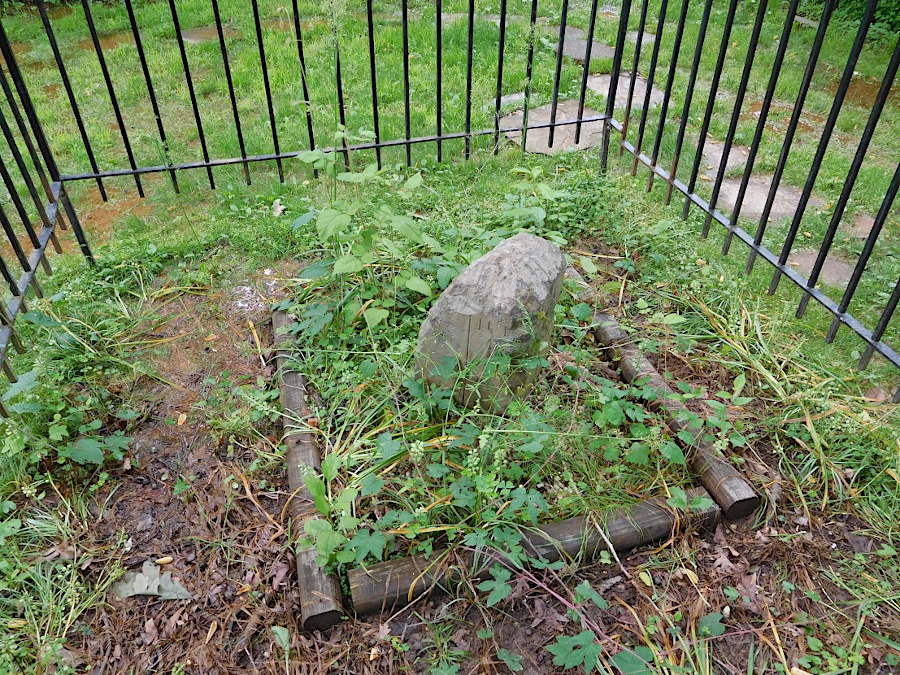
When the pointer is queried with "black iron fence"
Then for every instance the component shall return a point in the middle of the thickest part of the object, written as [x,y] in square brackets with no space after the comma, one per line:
[674,153]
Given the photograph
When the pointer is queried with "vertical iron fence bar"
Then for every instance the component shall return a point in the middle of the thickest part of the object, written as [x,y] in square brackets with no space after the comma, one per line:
[688,99]
[822,147]
[231,95]
[710,105]
[36,129]
[150,91]
[23,170]
[791,131]
[667,95]
[13,286]
[651,76]
[499,93]
[273,123]
[340,98]
[852,175]
[13,240]
[469,78]
[563,16]
[868,248]
[73,104]
[22,126]
[883,322]
[614,83]
[761,123]
[112,93]
[191,92]
[438,48]
[529,68]
[303,80]
[639,43]
[76,224]
[405,13]
[17,203]
[736,114]
[374,81]
[586,71]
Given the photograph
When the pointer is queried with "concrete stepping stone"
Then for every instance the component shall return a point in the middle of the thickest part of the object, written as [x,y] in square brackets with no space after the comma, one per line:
[600,85]
[836,271]
[574,45]
[564,137]
[806,23]
[860,226]
[712,158]
[646,38]
[516,99]
[783,208]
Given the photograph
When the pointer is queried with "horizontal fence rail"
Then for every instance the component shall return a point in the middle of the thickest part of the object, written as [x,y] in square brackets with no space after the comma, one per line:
[257,83]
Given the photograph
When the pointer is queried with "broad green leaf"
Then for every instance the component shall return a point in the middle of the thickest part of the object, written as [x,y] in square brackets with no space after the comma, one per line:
[583,591]
[672,453]
[587,265]
[40,319]
[282,637]
[710,625]
[320,268]
[406,227]
[499,589]
[351,177]
[375,315]
[327,541]
[413,182]
[512,660]
[85,451]
[317,490]
[303,220]
[366,543]
[331,463]
[739,382]
[329,223]
[387,446]
[26,382]
[370,485]
[638,661]
[577,650]
[347,264]
[672,319]
[418,284]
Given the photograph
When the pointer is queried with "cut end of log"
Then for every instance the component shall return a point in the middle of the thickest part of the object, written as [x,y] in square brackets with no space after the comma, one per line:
[742,501]
[323,621]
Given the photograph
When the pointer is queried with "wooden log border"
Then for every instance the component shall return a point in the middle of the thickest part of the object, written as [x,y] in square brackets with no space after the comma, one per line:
[385,585]
[320,593]
[728,487]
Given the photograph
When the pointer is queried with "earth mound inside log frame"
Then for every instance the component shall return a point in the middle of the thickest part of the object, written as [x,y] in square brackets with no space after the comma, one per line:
[385,585]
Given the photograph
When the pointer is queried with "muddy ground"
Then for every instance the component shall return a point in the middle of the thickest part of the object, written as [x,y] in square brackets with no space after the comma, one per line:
[228,538]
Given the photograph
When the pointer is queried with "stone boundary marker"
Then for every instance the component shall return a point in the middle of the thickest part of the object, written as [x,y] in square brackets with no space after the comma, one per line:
[319,593]
[728,487]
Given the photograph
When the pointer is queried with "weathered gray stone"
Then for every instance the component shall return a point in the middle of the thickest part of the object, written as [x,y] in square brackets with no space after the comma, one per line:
[563,137]
[575,45]
[502,304]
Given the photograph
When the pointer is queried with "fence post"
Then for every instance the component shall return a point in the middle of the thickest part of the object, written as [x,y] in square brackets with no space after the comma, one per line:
[614,82]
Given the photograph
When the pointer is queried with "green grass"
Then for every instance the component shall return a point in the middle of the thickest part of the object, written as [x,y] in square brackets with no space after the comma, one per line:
[346,20]
[834,452]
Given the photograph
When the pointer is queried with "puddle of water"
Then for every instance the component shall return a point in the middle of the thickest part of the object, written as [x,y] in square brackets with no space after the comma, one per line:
[282,24]
[196,36]
[861,92]
[107,42]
